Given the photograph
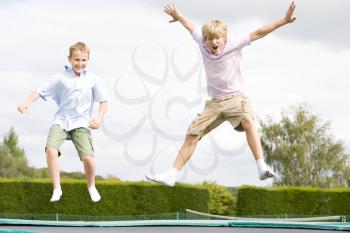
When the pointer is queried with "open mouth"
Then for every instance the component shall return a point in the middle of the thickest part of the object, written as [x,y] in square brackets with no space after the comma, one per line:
[215,48]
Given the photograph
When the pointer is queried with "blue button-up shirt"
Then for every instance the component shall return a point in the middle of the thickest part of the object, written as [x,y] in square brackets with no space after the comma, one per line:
[74,96]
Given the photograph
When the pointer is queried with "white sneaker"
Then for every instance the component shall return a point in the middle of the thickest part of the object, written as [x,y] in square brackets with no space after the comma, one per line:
[95,196]
[268,173]
[56,195]
[163,178]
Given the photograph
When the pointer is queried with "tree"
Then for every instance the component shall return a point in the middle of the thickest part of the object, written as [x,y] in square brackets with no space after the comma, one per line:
[13,162]
[302,151]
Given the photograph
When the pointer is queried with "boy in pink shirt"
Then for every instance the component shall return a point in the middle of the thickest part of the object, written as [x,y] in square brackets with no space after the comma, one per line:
[221,58]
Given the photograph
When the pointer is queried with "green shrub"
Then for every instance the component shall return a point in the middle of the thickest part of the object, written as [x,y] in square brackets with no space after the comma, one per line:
[221,200]
[118,198]
[292,201]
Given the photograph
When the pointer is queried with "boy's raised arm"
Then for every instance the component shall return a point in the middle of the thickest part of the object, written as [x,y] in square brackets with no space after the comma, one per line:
[263,31]
[177,16]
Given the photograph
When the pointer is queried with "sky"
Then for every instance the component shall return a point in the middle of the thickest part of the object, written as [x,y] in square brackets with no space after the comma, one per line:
[156,81]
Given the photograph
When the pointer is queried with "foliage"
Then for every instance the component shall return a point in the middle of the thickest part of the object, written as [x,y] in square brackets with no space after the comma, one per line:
[302,151]
[221,200]
[14,164]
[118,198]
[297,201]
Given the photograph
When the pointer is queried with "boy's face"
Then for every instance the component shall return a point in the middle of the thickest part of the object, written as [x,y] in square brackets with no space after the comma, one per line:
[78,60]
[216,44]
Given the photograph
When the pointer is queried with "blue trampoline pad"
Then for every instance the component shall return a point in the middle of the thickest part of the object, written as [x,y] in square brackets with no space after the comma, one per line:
[158,229]
[169,226]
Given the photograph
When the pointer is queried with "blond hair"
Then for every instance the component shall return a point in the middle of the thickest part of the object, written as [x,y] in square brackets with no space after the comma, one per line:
[214,28]
[81,46]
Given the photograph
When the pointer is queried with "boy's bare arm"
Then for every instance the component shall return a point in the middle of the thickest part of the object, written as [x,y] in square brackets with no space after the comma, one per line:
[263,31]
[96,121]
[23,107]
[177,16]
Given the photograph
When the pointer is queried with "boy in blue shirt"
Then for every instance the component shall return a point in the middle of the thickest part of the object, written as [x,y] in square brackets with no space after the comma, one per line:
[75,90]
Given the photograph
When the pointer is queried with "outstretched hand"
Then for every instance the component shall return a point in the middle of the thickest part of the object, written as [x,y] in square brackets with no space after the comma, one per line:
[23,107]
[173,12]
[289,17]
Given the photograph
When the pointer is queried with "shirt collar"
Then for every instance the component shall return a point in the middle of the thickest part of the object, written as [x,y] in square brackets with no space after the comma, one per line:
[71,71]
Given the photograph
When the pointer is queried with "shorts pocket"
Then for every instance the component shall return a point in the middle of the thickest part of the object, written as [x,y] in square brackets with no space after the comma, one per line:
[246,105]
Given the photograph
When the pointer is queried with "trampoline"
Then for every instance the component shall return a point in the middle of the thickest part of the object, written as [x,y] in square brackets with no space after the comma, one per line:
[170,226]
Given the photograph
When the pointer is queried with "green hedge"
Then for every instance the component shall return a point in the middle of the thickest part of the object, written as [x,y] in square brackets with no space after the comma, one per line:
[118,198]
[253,201]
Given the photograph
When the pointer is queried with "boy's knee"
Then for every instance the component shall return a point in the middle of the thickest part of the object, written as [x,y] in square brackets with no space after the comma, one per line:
[192,139]
[87,158]
[51,152]
[247,122]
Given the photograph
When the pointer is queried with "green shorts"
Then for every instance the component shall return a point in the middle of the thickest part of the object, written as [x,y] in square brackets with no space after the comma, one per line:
[81,138]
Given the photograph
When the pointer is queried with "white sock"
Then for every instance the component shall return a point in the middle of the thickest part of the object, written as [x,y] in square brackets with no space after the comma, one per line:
[173,173]
[261,165]
[168,178]
[56,195]
[95,196]
[264,170]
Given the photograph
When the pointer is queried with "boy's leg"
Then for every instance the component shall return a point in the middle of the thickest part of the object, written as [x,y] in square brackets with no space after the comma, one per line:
[186,151]
[205,122]
[53,167]
[55,140]
[254,143]
[239,113]
[82,140]
[54,172]
[90,172]
[253,137]
[169,178]
[208,120]
[90,169]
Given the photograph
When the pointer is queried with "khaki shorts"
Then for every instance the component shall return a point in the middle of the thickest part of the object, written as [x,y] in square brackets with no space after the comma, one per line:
[216,111]
[81,138]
